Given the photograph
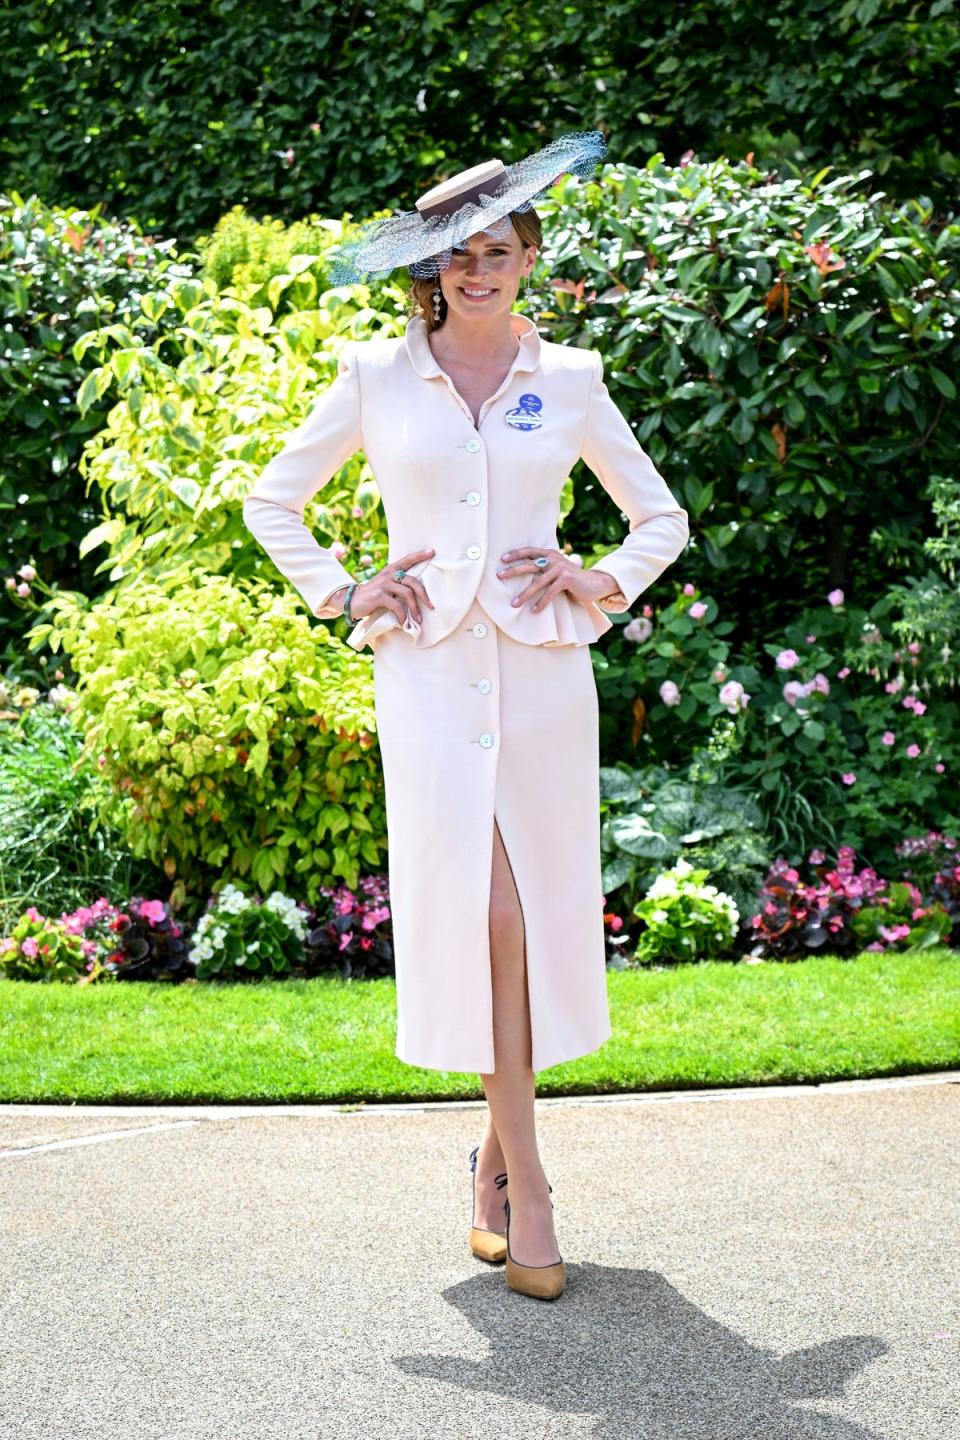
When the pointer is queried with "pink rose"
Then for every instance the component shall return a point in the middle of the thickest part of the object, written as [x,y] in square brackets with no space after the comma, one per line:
[787,659]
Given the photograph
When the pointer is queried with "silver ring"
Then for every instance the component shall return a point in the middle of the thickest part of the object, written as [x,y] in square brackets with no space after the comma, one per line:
[541,562]
[399,574]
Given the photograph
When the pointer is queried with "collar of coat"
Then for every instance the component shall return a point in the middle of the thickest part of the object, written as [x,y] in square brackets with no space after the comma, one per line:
[422,357]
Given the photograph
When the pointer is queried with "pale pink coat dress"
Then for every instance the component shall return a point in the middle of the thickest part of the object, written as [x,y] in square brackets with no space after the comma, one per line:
[483,709]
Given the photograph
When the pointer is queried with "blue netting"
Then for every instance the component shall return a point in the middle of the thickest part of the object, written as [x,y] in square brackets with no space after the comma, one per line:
[425,245]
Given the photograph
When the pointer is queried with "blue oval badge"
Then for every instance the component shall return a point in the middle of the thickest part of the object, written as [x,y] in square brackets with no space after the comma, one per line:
[526,415]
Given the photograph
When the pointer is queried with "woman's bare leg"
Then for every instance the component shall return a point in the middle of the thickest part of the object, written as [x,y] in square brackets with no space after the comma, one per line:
[511,1140]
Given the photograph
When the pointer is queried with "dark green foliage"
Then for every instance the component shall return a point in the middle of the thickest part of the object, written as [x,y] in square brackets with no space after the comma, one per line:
[176,112]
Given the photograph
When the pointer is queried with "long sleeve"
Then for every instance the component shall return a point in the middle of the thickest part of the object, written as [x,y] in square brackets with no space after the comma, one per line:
[315,451]
[659,526]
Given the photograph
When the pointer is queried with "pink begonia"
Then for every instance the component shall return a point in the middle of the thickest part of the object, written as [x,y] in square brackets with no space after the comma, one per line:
[689,589]
[939,767]
[848,777]
[787,659]
[835,597]
[153,911]
[647,611]
[733,696]
[816,857]
[918,707]
[892,933]
[638,629]
[29,946]
[842,674]
[669,693]
[909,701]
[810,639]
[892,686]
[888,737]
[913,751]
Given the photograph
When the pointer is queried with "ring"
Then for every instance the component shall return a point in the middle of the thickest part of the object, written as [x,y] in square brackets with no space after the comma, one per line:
[399,574]
[542,562]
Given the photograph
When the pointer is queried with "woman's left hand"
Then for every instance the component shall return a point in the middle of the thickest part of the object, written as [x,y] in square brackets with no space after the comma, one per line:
[560,573]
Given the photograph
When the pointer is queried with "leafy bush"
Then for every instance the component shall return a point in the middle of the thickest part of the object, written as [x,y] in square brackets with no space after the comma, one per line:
[197,416]
[241,937]
[175,116]
[237,737]
[652,818]
[835,727]
[354,937]
[840,909]
[63,273]
[41,948]
[684,917]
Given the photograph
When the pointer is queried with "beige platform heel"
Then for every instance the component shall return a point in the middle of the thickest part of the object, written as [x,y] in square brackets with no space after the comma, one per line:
[486,1244]
[543,1282]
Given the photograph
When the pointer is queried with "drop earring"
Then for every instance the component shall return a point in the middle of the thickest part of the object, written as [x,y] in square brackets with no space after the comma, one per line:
[437,297]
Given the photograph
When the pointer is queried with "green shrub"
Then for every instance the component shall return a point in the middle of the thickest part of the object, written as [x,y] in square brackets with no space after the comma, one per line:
[63,273]
[685,918]
[237,736]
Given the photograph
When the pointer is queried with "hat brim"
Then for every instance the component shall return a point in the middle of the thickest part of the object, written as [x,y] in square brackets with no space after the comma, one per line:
[424,245]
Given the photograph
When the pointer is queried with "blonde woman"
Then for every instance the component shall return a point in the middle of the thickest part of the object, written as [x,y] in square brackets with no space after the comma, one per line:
[480,628]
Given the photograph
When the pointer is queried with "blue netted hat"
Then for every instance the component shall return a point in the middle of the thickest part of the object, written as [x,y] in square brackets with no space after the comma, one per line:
[474,200]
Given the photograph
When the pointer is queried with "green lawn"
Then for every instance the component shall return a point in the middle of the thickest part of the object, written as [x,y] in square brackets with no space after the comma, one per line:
[310,1040]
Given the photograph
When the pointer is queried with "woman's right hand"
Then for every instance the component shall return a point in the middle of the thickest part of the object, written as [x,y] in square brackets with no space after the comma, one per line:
[382,591]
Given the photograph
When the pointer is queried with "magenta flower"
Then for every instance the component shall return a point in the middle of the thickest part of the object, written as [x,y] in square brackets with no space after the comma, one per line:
[913,751]
[848,777]
[892,686]
[153,911]
[689,589]
[842,674]
[918,707]
[939,768]
[888,737]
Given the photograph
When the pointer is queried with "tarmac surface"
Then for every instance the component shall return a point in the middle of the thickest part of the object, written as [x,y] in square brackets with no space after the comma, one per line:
[780,1263]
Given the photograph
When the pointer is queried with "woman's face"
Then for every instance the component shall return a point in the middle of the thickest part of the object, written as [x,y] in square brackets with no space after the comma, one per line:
[492,267]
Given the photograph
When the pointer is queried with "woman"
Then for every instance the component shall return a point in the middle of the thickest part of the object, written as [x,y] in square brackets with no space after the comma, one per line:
[480,628]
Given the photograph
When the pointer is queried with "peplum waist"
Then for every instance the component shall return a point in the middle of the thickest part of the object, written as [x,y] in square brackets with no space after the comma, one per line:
[453,586]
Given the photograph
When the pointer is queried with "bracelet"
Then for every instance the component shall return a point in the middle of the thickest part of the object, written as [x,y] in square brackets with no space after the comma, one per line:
[346,602]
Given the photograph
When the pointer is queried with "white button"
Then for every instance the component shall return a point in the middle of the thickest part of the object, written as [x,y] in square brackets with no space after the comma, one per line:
[484,686]
[473,444]
[474,497]
[474,552]
[479,628]
[486,739]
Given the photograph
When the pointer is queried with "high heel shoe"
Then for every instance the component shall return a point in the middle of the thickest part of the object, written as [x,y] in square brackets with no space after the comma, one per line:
[486,1244]
[544,1282]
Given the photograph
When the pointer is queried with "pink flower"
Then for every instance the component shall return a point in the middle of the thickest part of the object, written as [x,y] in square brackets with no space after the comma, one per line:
[733,696]
[153,911]
[909,701]
[816,857]
[29,946]
[821,683]
[842,674]
[848,777]
[27,572]
[913,751]
[939,768]
[918,707]
[698,610]
[914,647]
[888,737]
[787,659]
[669,693]
[648,611]
[638,629]
[810,639]
[23,589]
[835,597]
[892,686]
[689,589]
[793,691]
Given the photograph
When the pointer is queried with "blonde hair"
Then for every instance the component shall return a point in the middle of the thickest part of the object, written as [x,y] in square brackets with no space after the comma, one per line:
[527,225]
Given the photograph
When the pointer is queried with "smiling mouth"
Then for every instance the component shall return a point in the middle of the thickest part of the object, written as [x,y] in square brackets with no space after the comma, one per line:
[476,292]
